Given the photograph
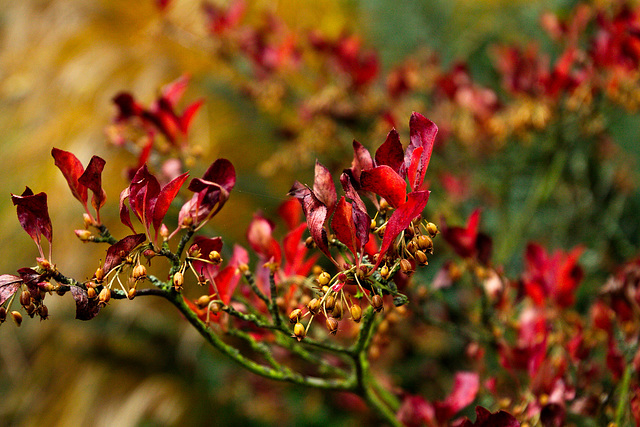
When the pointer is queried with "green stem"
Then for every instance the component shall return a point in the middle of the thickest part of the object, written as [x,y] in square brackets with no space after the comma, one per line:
[623,391]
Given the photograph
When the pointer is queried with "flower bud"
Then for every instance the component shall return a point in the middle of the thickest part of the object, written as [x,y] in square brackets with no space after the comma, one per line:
[131,294]
[384,205]
[432,229]
[373,225]
[421,258]
[309,243]
[324,278]
[332,325]
[412,246]
[99,274]
[215,307]
[294,316]
[91,293]
[356,313]
[425,243]
[215,257]
[139,272]
[178,281]
[48,287]
[298,331]
[164,232]
[314,306]
[329,303]
[17,317]
[377,303]
[88,221]
[84,235]
[187,221]
[149,253]
[25,298]
[203,301]
[384,271]
[3,314]
[104,296]
[316,270]
[337,310]
[194,251]
[405,266]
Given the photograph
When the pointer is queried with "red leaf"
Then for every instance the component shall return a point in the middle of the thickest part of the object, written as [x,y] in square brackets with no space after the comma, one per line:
[188,115]
[221,172]
[343,226]
[294,249]
[9,285]
[362,160]
[315,212]
[259,235]
[173,92]
[463,240]
[390,153]
[465,388]
[323,186]
[422,134]
[484,418]
[400,220]
[119,251]
[346,179]
[33,214]
[386,183]
[290,211]
[416,412]
[71,169]
[92,179]
[86,309]
[143,191]
[164,199]
[124,210]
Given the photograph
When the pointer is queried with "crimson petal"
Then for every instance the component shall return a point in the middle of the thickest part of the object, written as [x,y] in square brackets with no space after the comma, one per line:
[164,199]
[71,169]
[9,285]
[386,183]
[315,212]
[33,214]
[119,251]
[323,186]
[92,179]
[390,153]
[400,220]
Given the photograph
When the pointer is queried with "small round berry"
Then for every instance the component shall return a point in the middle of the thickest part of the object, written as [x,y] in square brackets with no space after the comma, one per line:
[377,303]
[203,301]
[356,313]
[314,306]
[299,331]
[294,316]
[332,325]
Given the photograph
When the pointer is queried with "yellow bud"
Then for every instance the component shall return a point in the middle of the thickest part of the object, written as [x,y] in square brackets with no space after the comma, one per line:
[356,313]
[91,293]
[421,258]
[84,235]
[294,316]
[337,310]
[132,293]
[329,303]
[324,278]
[425,243]
[104,296]
[17,317]
[178,281]
[86,218]
[432,229]
[139,272]
[215,257]
[298,331]
[203,301]
[314,306]
[384,271]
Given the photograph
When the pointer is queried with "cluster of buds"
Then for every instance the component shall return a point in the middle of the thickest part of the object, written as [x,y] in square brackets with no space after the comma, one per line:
[331,301]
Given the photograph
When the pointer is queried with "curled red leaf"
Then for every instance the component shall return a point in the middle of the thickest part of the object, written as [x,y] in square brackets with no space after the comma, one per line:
[323,186]
[72,170]
[117,252]
[386,183]
[9,285]
[33,215]
[86,308]
[315,212]
[390,153]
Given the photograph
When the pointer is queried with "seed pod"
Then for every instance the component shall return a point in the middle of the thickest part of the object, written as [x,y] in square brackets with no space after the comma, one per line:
[215,307]
[3,314]
[215,257]
[131,294]
[91,293]
[332,325]
[384,271]
[337,310]
[432,229]
[203,301]
[329,303]
[314,306]
[25,298]
[31,310]
[298,331]
[294,316]
[194,251]
[139,272]
[412,246]
[421,258]
[17,317]
[43,312]
[356,313]
[405,266]
[178,281]
[425,243]
[104,296]
[324,278]
[316,270]
[377,303]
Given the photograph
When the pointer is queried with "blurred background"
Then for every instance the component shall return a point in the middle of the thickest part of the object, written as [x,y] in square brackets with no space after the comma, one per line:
[61,64]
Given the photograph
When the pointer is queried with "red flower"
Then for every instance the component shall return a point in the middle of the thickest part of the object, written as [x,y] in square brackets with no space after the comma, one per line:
[81,180]
[552,277]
